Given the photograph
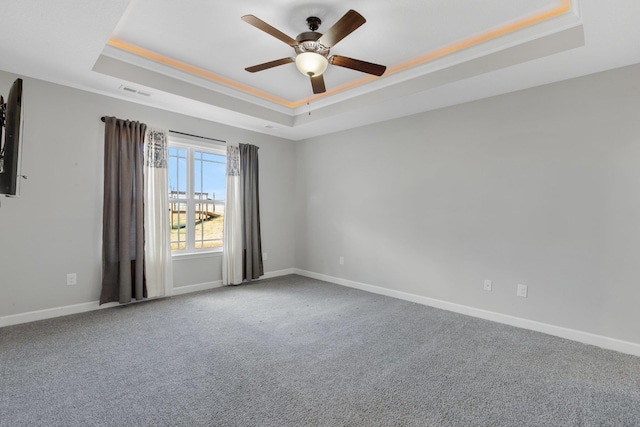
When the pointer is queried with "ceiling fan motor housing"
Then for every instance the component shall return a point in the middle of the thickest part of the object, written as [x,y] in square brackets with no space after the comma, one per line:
[308,42]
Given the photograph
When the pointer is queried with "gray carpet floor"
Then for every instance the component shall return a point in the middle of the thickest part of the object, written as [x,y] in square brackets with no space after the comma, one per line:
[293,351]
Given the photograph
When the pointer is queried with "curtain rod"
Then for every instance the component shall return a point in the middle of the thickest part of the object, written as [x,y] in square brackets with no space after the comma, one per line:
[104,117]
[183,133]
[197,136]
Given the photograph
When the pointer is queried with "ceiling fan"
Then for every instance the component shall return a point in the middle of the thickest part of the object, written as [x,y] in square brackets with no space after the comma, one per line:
[312,48]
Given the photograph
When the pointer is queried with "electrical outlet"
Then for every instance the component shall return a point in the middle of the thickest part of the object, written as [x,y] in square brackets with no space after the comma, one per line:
[522,290]
[264,256]
[72,279]
[341,260]
[487,285]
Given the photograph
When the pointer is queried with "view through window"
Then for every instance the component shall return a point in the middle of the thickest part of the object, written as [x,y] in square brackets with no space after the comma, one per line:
[197,192]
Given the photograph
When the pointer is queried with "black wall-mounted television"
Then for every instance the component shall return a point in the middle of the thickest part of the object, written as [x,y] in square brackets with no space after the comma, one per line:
[10,151]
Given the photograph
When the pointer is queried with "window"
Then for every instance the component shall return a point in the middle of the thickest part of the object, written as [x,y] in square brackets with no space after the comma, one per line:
[197,190]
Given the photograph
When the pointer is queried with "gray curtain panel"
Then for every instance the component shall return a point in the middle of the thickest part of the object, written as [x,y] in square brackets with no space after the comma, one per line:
[123,219]
[252,266]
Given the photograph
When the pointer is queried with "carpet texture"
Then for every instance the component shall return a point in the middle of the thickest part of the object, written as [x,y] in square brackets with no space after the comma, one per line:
[293,351]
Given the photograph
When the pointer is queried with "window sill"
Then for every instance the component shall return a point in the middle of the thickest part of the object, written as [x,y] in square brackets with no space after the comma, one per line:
[194,255]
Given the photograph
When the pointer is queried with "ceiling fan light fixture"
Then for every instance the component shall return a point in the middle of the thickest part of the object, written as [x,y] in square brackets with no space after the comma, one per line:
[312,48]
[311,64]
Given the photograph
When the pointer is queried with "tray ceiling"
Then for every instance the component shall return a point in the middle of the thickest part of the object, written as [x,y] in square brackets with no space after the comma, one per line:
[189,56]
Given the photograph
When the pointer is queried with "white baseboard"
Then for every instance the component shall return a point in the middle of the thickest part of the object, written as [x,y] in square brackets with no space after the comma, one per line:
[559,331]
[50,313]
[572,334]
[218,283]
[197,287]
[278,273]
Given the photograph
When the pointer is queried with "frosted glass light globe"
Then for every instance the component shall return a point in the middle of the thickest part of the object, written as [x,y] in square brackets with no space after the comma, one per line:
[311,63]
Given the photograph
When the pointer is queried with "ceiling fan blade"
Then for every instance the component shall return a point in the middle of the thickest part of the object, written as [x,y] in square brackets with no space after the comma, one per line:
[341,29]
[358,65]
[269,64]
[317,84]
[261,25]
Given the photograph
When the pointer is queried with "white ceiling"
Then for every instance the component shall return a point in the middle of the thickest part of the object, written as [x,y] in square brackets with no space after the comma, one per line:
[190,55]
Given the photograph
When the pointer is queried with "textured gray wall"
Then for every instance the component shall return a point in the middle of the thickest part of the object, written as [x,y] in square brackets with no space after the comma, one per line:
[539,187]
[54,227]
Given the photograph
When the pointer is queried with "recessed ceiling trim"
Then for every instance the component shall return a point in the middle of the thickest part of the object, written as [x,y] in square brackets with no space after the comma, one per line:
[354,108]
[164,83]
[547,30]
[191,69]
[562,7]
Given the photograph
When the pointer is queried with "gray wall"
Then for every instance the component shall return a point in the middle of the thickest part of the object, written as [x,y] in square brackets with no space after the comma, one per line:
[539,187]
[54,227]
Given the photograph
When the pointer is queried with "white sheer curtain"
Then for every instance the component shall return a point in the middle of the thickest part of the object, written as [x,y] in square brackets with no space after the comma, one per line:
[232,242]
[157,234]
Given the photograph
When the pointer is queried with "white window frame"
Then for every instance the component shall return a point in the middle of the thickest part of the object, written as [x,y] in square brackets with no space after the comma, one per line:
[192,145]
